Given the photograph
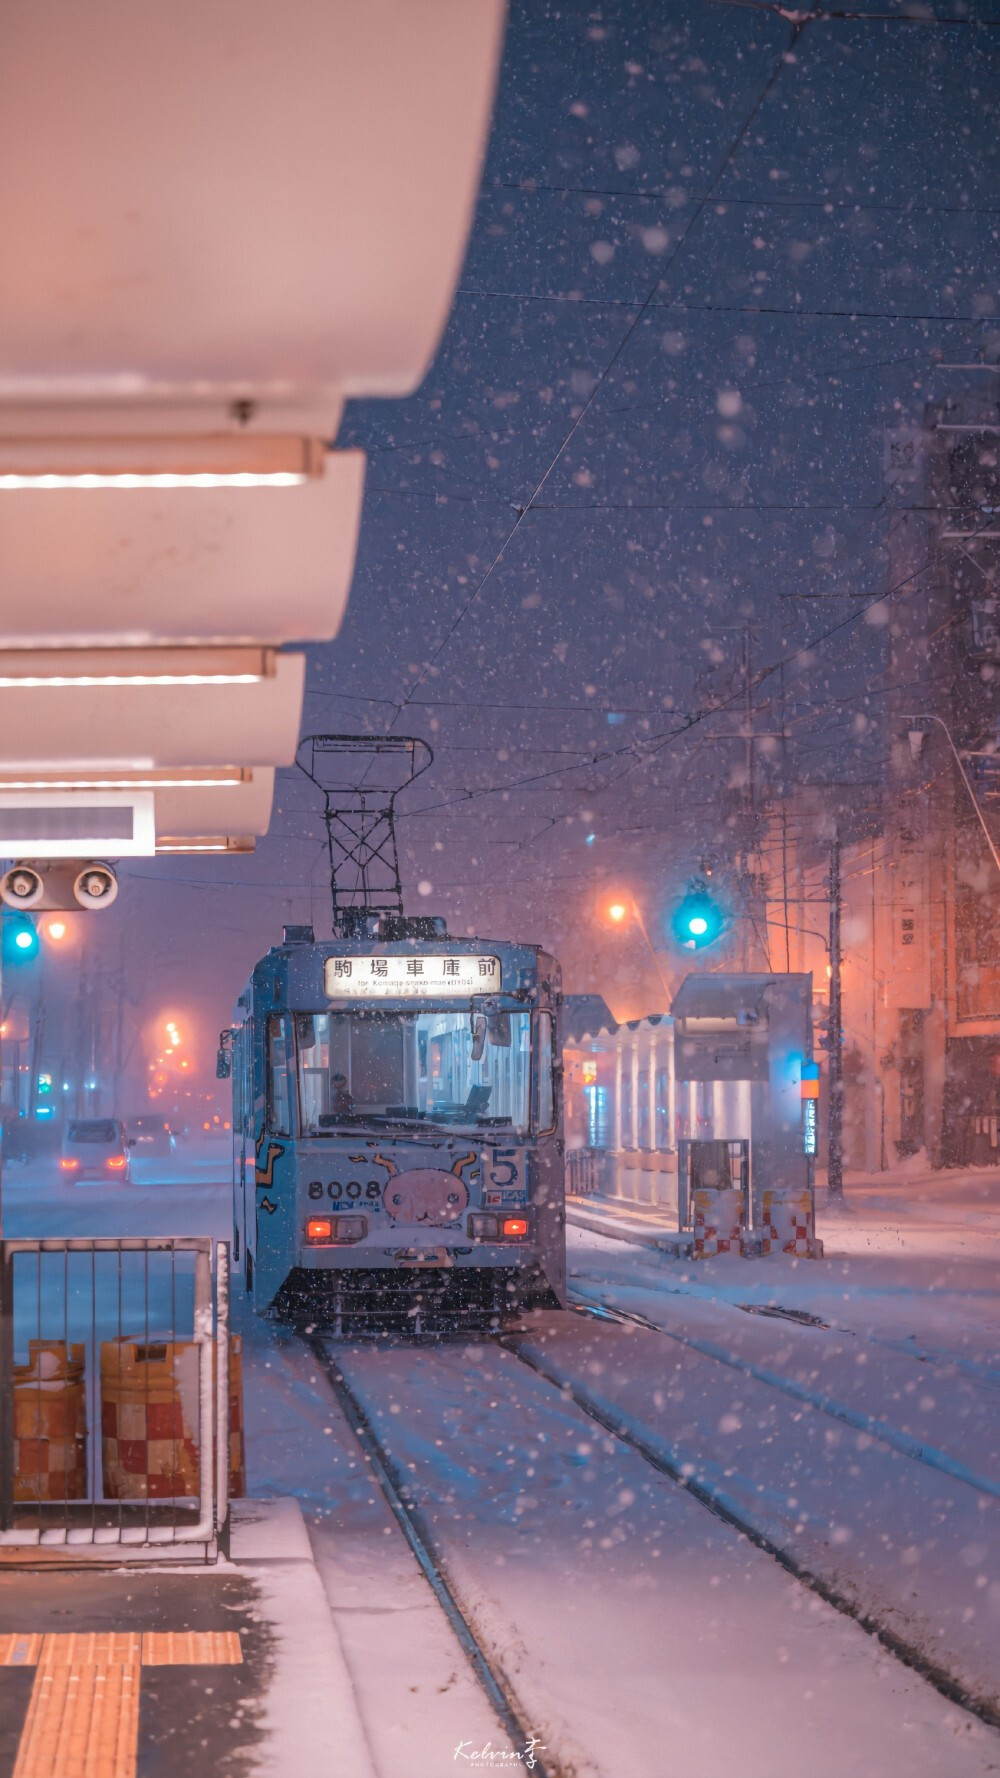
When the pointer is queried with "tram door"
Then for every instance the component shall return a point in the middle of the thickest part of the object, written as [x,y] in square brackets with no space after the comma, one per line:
[242,1142]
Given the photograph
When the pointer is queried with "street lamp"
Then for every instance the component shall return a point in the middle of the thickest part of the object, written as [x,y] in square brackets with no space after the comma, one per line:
[914,729]
[618,912]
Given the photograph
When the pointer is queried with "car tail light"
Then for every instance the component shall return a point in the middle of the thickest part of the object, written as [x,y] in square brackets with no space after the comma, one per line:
[68,1164]
[514,1228]
[117,1161]
[484,1228]
[330,1231]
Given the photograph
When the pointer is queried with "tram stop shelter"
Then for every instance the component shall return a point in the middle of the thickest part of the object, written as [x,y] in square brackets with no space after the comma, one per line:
[743,1043]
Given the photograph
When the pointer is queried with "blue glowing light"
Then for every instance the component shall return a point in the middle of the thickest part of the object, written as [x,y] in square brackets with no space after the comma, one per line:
[697,920]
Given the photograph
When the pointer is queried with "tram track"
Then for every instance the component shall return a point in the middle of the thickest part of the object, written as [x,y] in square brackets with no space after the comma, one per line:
[985,1707]
[397,1490]
[393,1486]
[918,1450]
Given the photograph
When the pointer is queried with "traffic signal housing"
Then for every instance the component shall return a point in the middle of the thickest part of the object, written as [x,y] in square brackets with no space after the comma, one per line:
[697,920]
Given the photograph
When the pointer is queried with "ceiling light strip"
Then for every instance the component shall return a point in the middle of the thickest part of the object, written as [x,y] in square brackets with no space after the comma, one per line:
[221,779]
[34,668]
[207,843]
[212,460]
[153,480]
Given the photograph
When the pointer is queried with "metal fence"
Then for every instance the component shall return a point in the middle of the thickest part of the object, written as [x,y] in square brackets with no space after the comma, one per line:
[584,1171]
[114,1395]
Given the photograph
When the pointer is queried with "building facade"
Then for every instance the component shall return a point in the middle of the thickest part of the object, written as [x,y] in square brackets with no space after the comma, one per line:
[920,878]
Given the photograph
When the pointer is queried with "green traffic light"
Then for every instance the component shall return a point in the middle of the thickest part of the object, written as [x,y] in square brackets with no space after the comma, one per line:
[698,919]
[20,938]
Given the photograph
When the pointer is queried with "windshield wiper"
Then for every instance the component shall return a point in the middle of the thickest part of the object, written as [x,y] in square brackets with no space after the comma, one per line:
[330,1120]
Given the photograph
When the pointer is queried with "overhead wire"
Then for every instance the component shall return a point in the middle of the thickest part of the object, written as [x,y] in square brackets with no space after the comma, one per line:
[601,380]
[689,719]
[668,737]
[757,202]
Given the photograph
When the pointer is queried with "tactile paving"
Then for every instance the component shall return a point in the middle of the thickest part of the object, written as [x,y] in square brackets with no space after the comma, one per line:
[83,1714]
[191,1648]
[92,1648]
[19,1651]
[83,1721]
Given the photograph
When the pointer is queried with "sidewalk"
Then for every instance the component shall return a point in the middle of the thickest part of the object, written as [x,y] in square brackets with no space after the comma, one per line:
[629,1222]
[238,1664]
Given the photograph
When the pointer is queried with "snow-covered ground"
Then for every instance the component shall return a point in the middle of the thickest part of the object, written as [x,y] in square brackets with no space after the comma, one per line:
[867,1445]
[640,1634]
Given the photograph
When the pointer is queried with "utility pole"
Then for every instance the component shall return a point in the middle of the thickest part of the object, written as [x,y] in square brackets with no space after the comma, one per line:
[14,1091]
[835,1158]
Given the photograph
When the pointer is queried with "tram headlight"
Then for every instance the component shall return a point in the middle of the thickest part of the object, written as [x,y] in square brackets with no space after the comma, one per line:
[484,1228]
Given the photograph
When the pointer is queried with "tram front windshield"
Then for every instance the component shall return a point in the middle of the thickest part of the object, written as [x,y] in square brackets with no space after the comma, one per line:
[440,1068]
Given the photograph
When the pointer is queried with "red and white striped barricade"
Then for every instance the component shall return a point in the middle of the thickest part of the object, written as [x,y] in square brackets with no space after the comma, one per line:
[717,1216]
[789,1224]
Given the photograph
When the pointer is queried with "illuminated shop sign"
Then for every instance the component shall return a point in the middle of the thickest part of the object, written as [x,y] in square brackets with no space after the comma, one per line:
[410,978]
[809,1126]
[810,1106]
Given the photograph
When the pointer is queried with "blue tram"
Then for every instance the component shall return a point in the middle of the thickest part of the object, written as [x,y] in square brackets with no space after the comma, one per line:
[398,1154]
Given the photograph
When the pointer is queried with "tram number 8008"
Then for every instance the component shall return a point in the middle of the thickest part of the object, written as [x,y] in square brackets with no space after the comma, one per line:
[353,1190]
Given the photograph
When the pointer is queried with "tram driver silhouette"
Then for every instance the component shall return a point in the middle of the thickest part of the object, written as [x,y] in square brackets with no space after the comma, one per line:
[341,1097]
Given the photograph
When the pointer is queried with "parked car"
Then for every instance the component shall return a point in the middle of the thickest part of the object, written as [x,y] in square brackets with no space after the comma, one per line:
[96,1148]
[152,1136]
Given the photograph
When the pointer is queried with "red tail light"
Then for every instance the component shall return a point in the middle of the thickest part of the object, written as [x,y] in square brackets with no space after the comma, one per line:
[68,1164]
[332,1230]
[514,1228]
[115,1160]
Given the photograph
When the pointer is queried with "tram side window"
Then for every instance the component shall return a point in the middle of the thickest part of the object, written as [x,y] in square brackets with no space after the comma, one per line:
[278,1083]
[237,1083]
[545,1105]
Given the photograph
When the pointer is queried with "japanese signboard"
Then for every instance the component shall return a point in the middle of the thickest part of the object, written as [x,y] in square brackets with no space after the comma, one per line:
[422,977]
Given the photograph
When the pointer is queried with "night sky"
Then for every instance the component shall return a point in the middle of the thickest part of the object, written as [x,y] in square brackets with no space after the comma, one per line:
[715,256]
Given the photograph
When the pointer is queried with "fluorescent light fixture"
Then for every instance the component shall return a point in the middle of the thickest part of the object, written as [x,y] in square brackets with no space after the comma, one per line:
[24,668]
[205,843]
[153,480]
[187,778]
[214,460]
[105,824]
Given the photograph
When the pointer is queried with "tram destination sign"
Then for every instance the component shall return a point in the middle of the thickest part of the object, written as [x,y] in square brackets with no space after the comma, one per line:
[411,977]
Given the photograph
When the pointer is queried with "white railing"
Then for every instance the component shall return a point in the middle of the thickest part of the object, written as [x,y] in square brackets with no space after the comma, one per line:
[584,1171]
[78,1295]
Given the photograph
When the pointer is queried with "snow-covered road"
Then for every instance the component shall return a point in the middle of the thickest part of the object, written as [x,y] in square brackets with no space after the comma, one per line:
[638,1633]
[906,1545]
